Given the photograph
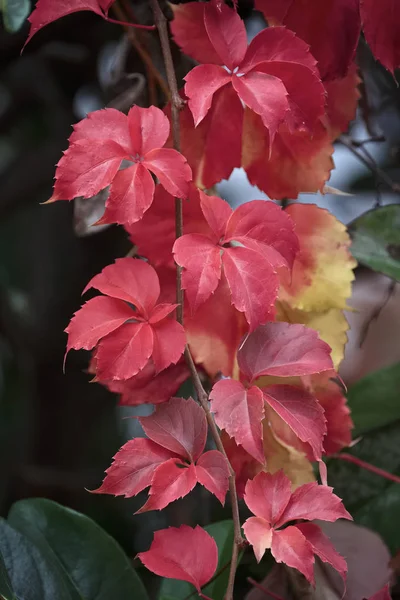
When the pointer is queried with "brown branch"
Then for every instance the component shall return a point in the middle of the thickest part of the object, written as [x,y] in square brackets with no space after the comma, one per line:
[144,55]
[369,162]
[377,312]
[176,105]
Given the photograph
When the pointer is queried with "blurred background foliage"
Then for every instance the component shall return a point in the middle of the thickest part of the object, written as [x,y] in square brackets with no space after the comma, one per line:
[57,432]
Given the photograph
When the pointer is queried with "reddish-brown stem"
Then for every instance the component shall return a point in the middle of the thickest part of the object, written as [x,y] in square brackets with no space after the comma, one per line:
[136,25]
[263,589]
[176,105]
[364,465]
[144,55]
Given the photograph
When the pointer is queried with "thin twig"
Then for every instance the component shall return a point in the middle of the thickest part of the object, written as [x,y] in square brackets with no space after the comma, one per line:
[144,55]
[367,466]
[176,105]
[370,164]
[377,312]
[136,25]
[263,589]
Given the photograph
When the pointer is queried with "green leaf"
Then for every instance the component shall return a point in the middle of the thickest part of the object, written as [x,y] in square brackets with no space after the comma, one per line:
[89,562]
[222,532]
[382,514]
[31,575]
[6,591]
[357,486]
[376,240]
[15,13]
[374,400]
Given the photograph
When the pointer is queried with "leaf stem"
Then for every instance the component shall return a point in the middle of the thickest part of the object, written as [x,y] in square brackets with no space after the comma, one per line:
[367,466]
[263,589]
[125,24]
[177,104]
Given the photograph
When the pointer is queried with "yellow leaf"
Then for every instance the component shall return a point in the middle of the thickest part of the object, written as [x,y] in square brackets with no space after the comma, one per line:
[323,269]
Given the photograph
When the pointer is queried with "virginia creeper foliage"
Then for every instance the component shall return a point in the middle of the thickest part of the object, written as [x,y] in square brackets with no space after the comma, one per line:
[264,287]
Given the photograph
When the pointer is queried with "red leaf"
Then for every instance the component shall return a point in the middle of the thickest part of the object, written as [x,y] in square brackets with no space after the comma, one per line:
[124,279]
[213,149]
[124,352]
[155,234]
[266,96]
[283,350]
[266,223]
[171,169]
[383,594]
[253,283]
[131,194]
[105,124]
[182,553]
[306,94]
[209,79]
[259,534]
[214,332]
[172,479]
[240,412]
[148,129]
[87,168]
[248,72]
[91,163]
[148,388]
[381,21]
[298,163]
[301,411]
[133,468]
[97,318]
[169,342]
[217,213]
[201,260]
[212,472]
[281,45]
[337,413]
[46,12]
[320,24]
[312,501]
[267,495]
[227,34]
[189,32]
[178,425]
[291,547]
[323,547]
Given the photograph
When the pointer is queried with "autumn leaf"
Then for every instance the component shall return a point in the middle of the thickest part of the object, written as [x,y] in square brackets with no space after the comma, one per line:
[182,553]
[251,268]
[125,338]
[270,499]
[320,24]
[171,461]
[381,22]
[97,148]
[263,75]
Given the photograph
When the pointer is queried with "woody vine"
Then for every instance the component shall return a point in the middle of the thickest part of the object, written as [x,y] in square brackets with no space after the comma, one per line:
[234,299]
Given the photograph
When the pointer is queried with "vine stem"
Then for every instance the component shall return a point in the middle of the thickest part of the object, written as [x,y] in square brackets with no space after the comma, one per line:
[367,466]
[177,103]
[263,589]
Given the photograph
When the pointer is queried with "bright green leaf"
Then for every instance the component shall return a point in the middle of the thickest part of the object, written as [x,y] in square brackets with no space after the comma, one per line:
[374,400]
[376,240]
[222,532]
[86,558]
[15,13]
[32,576]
